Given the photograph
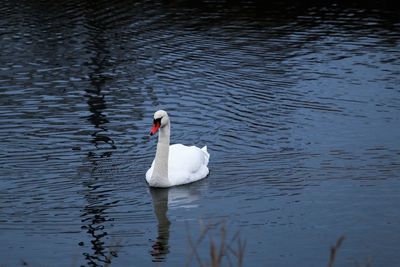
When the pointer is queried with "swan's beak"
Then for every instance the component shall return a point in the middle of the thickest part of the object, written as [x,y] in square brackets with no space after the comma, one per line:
[156,126]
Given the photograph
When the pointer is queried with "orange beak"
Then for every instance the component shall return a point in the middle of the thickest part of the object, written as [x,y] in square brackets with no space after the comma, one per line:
[156,126]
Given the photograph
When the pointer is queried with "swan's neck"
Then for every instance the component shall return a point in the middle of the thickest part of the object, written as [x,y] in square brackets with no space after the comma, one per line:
[160,172]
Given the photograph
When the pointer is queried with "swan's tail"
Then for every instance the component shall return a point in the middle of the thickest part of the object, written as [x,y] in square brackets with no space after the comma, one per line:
[204,148]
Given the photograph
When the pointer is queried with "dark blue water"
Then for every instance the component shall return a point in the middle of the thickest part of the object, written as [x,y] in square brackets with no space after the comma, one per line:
[299,105]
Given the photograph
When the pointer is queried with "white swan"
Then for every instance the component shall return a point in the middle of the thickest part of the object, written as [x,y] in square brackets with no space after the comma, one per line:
[176,164]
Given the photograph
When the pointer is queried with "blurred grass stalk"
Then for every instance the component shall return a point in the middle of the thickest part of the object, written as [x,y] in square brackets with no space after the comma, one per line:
[334,250]
[219,252]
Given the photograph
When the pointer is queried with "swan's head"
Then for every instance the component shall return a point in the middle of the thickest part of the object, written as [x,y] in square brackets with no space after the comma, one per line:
[160,120]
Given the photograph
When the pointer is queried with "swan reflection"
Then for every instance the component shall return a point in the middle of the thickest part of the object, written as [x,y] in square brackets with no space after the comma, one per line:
[173,198]
[160,248]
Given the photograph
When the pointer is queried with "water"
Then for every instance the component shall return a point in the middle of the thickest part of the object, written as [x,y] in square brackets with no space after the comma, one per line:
[299,105]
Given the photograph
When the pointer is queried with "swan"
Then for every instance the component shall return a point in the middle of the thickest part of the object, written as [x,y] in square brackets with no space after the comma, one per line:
[174,164]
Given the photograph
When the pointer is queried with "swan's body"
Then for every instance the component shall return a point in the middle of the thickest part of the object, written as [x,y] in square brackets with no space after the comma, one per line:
[186,164]
[176,164]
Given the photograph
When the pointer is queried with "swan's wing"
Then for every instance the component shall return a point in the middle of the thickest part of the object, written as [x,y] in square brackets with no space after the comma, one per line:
[187,163]
[188,158]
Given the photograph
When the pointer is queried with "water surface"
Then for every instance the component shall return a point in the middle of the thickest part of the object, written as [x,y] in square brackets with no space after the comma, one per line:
[299,105]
